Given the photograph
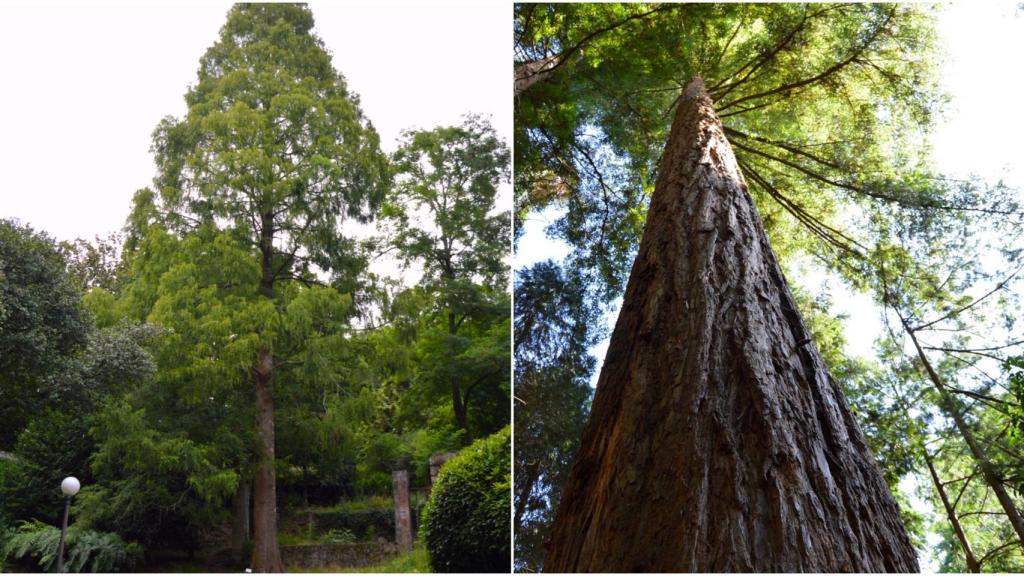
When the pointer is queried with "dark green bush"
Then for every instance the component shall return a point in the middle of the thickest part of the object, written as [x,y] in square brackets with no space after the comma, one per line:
[466,525]
[53,446]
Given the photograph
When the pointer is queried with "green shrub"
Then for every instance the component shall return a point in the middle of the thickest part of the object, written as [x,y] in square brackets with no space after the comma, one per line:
[85,550]
[466,525]
[358,522]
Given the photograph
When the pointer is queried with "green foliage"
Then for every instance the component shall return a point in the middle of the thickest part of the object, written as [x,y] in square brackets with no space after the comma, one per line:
[159,489]
[1014,369]
[555,327]
[230,254]
[42,326]
[53,446]
[239,250]
[987,530]
[826,106]
[829,110]
[96,264]
[273,142]
[453,173]
[465,525]
[85,550]
[359,523]
[442,215]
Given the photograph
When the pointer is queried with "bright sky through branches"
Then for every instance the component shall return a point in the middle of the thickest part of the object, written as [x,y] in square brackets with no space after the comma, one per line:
[976,136]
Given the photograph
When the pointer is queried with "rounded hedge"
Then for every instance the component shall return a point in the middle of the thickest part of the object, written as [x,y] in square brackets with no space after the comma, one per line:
[466,525]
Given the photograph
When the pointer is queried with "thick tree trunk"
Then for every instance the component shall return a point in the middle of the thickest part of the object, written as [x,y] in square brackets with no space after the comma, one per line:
[266,557]
[265,554]
[717,440]
[240,518]
[988,472]
[529,73]
[954,520]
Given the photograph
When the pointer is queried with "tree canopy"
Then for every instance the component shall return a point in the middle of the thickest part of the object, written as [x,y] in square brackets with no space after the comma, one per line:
[236,367]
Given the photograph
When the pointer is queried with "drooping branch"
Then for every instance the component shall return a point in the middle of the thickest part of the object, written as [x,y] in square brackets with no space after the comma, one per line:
[973,303]
[819,228]
[721,89]
[866,191]
[831,70]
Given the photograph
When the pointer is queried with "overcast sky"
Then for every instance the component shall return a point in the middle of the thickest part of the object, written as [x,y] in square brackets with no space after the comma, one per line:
[85,85]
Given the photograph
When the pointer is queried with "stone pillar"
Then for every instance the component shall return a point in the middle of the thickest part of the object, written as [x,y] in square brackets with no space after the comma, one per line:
[403,518]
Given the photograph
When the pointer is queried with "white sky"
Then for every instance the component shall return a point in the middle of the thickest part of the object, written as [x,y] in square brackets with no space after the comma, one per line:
[84,85]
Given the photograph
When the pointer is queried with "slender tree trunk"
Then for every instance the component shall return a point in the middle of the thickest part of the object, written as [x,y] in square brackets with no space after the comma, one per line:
[992,478]
[266,557]
[240,518]
[525,488]
[458,403]
[954,520]
[717,440]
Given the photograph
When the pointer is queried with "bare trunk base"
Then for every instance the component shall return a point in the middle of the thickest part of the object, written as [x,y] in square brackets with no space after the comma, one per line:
[266,557]
[717,440]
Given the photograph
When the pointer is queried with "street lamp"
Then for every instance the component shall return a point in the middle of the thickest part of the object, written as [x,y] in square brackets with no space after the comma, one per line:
[69,487]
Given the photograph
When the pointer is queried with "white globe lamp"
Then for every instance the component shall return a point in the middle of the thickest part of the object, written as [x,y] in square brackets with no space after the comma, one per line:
[70,486]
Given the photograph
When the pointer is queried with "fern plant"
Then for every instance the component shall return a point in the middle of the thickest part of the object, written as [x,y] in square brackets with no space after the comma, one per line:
[86,550]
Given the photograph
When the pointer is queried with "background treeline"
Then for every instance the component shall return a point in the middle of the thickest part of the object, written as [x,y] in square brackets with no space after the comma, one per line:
[231,350]
[829,110]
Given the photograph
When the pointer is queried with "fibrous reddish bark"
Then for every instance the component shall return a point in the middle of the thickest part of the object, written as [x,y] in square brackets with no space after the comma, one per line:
[266,557]
[717,440]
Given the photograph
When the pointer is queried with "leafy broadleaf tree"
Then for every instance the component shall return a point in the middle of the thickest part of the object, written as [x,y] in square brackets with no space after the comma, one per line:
[444,218]
[274,151]
[42,328]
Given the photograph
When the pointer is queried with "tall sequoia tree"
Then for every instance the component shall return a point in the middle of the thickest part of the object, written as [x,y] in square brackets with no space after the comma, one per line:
[275,150]
[827,108]
[717,439]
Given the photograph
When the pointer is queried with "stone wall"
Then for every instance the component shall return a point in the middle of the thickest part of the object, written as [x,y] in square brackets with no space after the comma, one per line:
[354,555]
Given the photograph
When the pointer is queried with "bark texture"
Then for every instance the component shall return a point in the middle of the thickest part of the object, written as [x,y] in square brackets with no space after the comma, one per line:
[266,557]
[529,73]
[717,440]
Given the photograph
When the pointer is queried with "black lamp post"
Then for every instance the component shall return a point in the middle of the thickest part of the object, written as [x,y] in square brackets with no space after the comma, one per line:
[69,487]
